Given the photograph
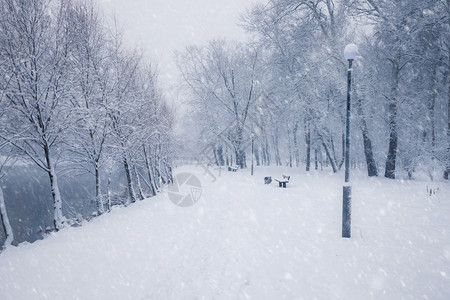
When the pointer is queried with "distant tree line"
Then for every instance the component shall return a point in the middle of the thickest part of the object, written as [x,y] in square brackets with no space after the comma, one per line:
[73,98]
[287,86]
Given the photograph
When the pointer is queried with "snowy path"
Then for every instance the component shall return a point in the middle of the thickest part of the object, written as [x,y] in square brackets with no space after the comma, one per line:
[244,239]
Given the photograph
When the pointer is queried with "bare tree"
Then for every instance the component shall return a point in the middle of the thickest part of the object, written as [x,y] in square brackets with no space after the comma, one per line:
[89,133]
[222,78]
[37,50]
[6,160]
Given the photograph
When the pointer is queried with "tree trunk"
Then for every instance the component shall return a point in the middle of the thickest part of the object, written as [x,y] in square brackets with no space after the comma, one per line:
[150,177]
[316,162]
[393,135]
[239,152]
[263,153]
[308,146]
[243,159]
[98,197]
[257,156]
[108,190]
[131,194]
[266,152]
[138,181]
[447,80]
[215,156]
[289,146]
[343,150]
[333,151]
[58,218]
[237,158]
[431,116]
[368,152]
[296,149]
[447,169]
[330,158]
[5,221]
[220,155]
[169,171]
[277,150]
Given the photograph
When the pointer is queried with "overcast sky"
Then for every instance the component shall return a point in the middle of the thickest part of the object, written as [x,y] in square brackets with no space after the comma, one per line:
[162,26]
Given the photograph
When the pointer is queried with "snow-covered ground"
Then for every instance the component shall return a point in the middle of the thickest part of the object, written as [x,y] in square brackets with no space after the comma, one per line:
[244,239]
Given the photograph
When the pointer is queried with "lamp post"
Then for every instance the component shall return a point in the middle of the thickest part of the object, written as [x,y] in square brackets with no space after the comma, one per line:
[350,53]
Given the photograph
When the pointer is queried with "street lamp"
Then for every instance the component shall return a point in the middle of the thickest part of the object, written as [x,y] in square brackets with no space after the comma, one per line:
[350,53]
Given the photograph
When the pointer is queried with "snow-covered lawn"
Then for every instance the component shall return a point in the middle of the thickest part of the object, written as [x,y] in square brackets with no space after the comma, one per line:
[244,239]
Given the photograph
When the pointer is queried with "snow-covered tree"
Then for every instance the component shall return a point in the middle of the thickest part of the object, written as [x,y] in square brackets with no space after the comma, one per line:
[37,47]
[88,137]
[409,59]
[6,160]
[223,80]
[305,38]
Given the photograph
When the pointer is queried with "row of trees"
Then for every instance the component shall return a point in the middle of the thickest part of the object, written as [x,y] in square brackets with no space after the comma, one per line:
[74,98]
[287,86]
[223,78]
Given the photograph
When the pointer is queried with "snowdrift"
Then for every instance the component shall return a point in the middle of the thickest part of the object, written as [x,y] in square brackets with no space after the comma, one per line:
[245,239]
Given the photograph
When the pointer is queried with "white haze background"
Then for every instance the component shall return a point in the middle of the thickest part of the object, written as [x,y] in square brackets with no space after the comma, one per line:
[159,27]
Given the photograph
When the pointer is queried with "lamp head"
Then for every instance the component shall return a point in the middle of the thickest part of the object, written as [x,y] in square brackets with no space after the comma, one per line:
[351,52]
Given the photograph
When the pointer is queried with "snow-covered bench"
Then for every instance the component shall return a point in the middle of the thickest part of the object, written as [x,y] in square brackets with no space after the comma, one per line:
[282,182]
[233,168]
[287,177]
